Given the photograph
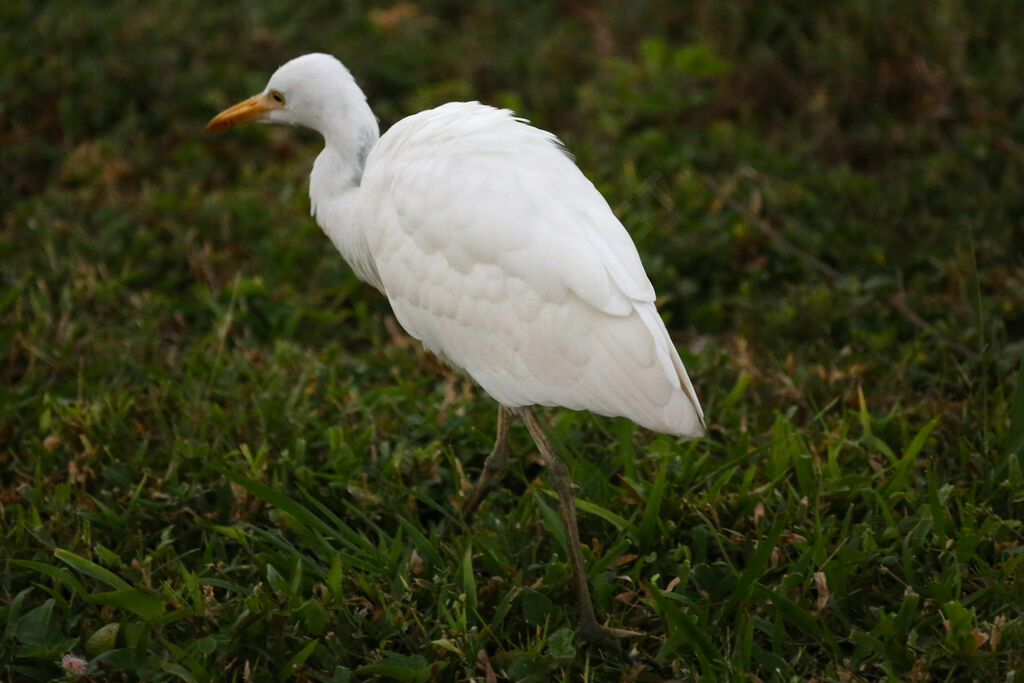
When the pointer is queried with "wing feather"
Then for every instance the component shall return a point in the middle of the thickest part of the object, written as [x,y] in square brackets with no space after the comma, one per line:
[501,257]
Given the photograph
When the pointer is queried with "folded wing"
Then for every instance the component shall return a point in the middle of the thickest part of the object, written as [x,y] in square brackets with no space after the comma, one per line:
[500,256]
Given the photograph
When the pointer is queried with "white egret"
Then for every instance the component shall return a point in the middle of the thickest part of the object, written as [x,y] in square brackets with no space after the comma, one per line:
[495,252]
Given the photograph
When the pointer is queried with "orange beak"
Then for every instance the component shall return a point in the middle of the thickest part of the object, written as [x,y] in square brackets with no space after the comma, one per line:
[256,108]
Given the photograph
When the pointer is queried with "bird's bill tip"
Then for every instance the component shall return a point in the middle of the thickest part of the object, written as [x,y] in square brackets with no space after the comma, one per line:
[252,109]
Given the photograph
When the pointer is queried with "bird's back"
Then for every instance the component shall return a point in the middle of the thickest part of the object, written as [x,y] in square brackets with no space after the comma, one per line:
[500,256]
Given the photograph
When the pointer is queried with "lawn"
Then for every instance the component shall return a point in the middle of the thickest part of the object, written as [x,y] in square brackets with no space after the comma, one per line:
[222,459]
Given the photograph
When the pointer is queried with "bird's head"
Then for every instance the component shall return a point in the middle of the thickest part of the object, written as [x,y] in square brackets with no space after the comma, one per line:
[312,91]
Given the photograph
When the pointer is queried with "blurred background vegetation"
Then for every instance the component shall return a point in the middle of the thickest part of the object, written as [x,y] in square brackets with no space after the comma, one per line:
[829,199]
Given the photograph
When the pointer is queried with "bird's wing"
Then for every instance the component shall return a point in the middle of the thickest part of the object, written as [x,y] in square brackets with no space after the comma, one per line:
[499,255]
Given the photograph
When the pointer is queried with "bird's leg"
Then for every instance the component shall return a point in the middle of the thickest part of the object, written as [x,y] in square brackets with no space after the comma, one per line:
[494,466]
[590,630]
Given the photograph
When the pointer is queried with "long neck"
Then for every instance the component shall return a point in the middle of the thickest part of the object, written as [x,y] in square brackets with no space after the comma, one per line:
[350,132]
[349,128]
[350,139]
[335,195]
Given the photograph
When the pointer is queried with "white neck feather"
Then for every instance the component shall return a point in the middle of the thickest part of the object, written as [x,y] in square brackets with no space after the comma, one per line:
[334,196]
[350,132]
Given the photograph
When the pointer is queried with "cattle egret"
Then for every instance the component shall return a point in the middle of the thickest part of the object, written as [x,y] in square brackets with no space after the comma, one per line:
[499,255]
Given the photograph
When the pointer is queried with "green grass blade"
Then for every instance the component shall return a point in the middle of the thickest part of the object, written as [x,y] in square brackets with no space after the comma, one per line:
[792,613]
[422,543]
[902,469]
[653,507]
[862,413]
[552,520]
[760,558]
[277,499]
[56,573]
[469,580]
[299,658]
[1015,432]
[90,568]
[692,634]
[610,555]
[340,529]
[619,522]
[147,605]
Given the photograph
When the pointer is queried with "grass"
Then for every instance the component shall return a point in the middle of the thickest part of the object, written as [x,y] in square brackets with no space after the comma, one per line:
[220,459]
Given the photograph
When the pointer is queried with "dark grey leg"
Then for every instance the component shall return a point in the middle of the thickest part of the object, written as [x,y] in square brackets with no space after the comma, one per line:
[590,630]
[494,466]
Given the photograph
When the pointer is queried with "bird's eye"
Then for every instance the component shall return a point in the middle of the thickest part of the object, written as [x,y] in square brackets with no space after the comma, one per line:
[277,97]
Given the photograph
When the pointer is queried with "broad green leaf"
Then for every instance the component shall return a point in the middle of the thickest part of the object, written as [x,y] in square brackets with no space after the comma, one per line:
[560,644]
[537,607]
[40,626]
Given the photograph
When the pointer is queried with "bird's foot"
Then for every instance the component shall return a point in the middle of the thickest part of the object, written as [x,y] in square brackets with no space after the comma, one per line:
[600,638]
[604,640]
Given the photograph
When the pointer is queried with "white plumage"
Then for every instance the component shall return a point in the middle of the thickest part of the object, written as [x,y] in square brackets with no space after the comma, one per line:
[498,254]
[494,250]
